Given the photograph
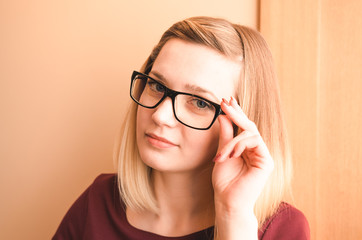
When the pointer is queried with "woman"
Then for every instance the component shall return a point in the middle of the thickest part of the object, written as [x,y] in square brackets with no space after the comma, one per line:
[203,152]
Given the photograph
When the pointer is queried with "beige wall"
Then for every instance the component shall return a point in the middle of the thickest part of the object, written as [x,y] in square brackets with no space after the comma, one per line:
[64,73]
[318,51]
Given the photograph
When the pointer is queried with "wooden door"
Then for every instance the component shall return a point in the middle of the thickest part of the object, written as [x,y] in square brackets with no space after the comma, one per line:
[317,45]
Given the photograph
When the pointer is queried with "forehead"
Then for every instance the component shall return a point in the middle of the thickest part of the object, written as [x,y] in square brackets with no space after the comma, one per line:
[184,64]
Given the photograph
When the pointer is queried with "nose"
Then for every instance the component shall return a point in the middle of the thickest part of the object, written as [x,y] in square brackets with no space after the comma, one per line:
[163,114]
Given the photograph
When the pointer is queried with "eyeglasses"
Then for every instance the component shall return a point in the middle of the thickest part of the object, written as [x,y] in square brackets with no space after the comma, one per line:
[191,110]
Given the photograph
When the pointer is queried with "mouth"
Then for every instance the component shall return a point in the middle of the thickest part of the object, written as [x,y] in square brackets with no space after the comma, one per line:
[158,141]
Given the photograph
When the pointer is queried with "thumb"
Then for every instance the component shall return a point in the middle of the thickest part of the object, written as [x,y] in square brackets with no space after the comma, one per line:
[226,133]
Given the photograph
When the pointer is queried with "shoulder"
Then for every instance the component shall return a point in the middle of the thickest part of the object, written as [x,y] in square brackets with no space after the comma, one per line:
[92,203]
[103,192]
[287,223]
[104,182]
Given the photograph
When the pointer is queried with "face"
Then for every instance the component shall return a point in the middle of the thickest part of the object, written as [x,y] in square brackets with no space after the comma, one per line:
[164,143]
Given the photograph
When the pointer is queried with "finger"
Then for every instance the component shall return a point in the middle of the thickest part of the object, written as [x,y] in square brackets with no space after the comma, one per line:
[247,142]
[228,149]
[236,106]
[226,131]
[236,114]
[258,155]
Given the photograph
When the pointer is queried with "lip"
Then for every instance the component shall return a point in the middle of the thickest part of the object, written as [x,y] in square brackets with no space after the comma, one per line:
[158,141]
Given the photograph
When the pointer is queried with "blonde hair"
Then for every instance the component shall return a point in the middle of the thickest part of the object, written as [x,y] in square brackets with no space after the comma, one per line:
[257,93]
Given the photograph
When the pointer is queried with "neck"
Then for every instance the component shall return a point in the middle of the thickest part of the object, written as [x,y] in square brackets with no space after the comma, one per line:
[185,201]
[184,194]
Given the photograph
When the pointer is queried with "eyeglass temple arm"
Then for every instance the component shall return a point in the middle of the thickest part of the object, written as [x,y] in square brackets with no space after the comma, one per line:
[221,112]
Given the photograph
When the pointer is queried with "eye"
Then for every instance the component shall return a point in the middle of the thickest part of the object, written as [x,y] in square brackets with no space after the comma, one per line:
[155,86]
[201,103]
[194,106]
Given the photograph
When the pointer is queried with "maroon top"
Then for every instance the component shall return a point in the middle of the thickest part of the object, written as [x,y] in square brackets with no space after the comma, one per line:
[99,214]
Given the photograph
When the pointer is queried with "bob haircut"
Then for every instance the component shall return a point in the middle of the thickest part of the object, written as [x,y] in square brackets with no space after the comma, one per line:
[257,93]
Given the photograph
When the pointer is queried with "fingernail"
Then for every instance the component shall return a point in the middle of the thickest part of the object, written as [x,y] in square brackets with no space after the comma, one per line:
[231,155]
[225,101]
[217,157]
[233,99]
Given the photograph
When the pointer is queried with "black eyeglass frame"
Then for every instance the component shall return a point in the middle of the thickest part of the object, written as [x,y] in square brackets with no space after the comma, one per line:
[172,94]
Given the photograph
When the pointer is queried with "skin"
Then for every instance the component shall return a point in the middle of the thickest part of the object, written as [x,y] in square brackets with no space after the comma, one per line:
[187,182]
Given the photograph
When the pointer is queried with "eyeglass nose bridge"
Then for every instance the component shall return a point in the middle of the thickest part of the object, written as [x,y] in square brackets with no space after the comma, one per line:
[171,94]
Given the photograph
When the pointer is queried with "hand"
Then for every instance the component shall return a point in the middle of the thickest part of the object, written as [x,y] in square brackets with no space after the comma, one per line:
[242,165]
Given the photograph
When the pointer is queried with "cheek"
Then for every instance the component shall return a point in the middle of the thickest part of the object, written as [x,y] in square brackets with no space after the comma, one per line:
[204,144]
[142,117]
[142,120]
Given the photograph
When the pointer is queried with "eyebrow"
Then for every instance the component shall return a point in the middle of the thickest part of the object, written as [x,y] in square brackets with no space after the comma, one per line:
[190,87]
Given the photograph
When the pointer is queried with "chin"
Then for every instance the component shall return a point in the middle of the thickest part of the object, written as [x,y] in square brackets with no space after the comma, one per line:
[173,164]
